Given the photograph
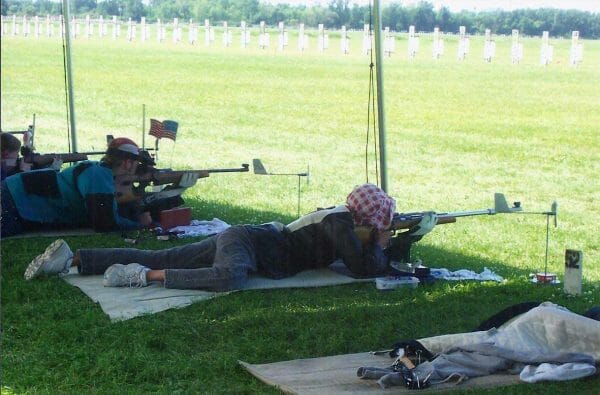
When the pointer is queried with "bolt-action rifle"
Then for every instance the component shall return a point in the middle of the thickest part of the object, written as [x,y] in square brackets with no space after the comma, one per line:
[404,226]
[131,191]
[39,161]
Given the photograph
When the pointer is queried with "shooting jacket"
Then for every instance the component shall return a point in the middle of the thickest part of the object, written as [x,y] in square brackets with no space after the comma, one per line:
[316,240]
[80,195]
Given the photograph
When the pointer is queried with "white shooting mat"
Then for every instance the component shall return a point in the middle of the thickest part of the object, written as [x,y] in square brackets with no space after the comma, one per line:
[125,303]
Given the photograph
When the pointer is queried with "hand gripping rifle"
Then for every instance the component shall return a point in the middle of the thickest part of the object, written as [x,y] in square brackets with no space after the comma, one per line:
[401,243]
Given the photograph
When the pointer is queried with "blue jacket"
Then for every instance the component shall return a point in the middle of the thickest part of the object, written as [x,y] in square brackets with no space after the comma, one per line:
[80,195]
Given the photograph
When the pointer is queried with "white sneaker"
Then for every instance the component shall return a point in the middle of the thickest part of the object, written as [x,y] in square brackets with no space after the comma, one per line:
[56,259]
[132,275]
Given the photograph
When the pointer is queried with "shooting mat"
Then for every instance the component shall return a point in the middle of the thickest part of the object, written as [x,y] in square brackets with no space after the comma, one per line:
[545,329]
[125,303]
[337,375]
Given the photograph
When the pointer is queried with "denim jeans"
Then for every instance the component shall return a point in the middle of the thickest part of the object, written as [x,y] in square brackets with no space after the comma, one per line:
[219,263]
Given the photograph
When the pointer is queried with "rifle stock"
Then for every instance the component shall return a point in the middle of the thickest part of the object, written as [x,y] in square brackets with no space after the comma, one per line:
[401,221]
[406,221]
[161,177]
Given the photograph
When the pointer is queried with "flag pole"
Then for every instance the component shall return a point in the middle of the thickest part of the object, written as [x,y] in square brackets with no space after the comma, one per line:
[69,72]
[380,101]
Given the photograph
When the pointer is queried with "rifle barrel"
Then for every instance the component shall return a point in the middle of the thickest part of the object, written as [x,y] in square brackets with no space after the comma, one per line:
[91,153]
[244,168]
[487,211]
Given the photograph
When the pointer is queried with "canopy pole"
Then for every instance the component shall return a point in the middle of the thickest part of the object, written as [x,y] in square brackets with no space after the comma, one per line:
[67,22]
[380,101]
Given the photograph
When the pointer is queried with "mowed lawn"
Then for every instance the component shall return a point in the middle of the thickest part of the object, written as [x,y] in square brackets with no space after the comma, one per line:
[456,132]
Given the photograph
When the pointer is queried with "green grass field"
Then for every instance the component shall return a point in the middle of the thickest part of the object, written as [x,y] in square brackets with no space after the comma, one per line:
[456,133]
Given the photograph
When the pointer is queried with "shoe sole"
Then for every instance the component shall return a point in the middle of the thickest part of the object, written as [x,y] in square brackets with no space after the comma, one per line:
[33,270]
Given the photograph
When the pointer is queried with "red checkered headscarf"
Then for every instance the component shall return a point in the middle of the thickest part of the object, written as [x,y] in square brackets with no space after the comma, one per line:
[371,206]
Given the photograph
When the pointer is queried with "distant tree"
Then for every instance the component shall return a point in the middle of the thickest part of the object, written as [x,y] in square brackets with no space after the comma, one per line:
[395,17]
[109,7]
[169,9]
[83,6]
[358,17]
[424,17]
[336,14]
[443,19]
[242,10]
[341,12]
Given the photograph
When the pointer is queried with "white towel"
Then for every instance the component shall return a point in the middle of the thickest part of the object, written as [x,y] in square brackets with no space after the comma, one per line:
[464,274]
[200,228]
[553,372]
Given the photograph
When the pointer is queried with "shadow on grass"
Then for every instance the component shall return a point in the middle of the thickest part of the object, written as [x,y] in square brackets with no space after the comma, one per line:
[49,327]
[436,257]
[17,253]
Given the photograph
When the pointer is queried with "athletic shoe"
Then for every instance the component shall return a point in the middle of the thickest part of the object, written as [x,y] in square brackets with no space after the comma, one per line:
[56,259]
[132,275]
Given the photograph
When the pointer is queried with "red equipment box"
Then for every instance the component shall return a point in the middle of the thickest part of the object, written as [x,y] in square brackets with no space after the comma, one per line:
[179,216]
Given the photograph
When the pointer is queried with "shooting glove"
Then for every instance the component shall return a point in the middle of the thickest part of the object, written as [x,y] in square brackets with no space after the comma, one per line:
[425,226]
[56,164]
[188,179]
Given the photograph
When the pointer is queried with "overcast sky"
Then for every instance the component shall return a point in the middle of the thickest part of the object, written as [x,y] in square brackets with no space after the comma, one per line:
[476,5]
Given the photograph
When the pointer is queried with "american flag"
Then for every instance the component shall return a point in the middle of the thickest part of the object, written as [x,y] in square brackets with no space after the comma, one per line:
[162,129]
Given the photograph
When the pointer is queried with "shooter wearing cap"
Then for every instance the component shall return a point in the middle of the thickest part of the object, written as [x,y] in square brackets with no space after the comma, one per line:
[82,195]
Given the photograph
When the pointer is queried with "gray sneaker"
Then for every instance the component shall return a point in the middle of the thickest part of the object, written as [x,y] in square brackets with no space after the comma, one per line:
[56,259]
[132,275]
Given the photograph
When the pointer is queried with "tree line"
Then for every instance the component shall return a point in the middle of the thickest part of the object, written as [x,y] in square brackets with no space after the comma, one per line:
[334,15]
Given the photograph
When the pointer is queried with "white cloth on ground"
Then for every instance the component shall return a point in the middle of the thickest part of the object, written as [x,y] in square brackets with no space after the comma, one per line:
[200,228]
[554,372]
[464,274]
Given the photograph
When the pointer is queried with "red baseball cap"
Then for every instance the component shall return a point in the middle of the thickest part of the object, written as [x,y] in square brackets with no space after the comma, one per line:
[123,145]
